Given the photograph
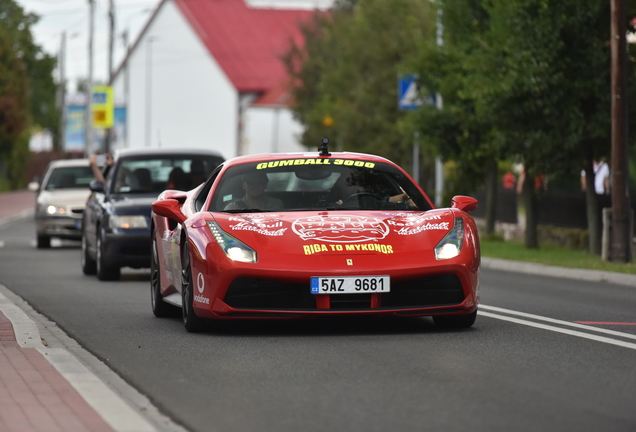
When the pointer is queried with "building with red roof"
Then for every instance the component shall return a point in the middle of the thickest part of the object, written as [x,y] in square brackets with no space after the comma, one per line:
[207,73]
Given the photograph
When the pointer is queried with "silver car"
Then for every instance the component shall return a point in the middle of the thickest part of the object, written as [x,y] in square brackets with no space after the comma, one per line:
[61,198]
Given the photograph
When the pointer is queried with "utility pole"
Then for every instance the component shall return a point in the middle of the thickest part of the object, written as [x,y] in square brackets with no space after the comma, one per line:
[439,102]
[126,86]
[89,84]
[148,133]
[111,42]
[61,64]
[620,248]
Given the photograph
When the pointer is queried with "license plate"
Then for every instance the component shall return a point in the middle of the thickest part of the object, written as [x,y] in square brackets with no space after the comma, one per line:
[78,223]
[350,284]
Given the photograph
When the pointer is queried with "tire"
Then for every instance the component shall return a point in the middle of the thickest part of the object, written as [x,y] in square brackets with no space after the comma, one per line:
[43,242]
[160,308]
[105,272]
[89,266]
[191,321]
[455,321]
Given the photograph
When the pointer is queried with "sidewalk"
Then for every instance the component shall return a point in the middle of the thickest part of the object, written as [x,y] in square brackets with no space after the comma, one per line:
[34,396]
[16,204]
[47,389]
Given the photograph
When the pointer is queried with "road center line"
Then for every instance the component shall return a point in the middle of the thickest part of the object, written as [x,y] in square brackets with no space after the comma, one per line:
[561,330]
[560,322]
[606,323]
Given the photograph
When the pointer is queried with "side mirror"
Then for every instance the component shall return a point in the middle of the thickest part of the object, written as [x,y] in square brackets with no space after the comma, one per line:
[33,186]
[464,203]
[169,208]
[96,186]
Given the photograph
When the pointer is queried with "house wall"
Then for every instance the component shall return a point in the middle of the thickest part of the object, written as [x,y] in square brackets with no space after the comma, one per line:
[272,130]
[192,103]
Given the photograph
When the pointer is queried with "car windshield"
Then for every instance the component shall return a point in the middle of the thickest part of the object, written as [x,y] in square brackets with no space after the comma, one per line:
[156,174]
[78,177]
[301,184]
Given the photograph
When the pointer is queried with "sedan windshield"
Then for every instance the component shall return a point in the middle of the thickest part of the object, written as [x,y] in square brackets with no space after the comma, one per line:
[78,177]
[303,184]
[155,174]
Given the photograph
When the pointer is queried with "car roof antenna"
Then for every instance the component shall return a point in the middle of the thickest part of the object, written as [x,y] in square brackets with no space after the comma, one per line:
[324,147]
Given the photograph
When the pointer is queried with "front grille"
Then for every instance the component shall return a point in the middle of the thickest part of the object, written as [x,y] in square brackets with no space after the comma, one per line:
[350,301]
[250,293]
[77,211]
[428,291]
[135,251]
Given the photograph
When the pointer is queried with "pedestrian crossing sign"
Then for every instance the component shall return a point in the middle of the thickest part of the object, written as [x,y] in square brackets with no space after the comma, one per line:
[411,96]
[408,93]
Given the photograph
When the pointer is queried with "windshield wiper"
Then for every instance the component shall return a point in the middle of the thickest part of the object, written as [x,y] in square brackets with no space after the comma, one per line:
[249,210]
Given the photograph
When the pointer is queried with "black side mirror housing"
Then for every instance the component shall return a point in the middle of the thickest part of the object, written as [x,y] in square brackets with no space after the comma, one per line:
[96,186]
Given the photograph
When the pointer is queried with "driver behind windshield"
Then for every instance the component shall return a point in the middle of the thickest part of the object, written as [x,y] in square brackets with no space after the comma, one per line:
[254,185]
[360,184]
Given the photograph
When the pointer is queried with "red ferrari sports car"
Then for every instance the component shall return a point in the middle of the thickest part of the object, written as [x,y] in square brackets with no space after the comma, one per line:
[308,234]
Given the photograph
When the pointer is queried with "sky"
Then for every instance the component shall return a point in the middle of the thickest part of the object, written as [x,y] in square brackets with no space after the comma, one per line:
[72,17]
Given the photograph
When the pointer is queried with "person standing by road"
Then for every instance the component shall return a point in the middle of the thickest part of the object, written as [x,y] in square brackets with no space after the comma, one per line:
[601,178]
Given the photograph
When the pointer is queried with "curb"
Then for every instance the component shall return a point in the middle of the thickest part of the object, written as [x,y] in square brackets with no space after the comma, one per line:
[561,272]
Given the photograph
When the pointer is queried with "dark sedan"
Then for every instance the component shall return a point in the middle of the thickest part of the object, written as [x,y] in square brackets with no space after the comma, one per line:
[116,221]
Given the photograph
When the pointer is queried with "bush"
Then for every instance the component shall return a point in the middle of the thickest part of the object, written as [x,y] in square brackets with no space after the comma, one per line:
[570,238]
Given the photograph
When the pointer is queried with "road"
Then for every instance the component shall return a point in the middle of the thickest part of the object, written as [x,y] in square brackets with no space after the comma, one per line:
[526,365]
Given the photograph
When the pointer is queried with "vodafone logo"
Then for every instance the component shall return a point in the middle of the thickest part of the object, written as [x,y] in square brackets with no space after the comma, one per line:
[200,283]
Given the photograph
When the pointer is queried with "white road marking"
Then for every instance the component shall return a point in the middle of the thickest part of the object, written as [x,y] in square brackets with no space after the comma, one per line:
[555,321]
[561,330]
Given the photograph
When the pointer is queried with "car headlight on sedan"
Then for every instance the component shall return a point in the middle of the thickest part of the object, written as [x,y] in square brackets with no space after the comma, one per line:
[127,222]
[451,245]
[51,210]
[235,249]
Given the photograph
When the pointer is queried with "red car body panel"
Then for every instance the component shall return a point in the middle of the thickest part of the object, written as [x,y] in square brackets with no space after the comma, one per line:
[293,246]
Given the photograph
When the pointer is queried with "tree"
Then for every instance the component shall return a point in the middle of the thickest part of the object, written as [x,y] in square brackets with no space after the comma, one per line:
[347,71]
[27,89]
[553,90]
[461,132]
[535,75]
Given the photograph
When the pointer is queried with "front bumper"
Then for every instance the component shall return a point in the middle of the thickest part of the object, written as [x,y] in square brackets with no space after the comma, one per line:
[127,249]
[67,227]
[437,291]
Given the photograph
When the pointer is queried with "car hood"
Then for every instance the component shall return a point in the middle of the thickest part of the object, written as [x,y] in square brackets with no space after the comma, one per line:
[64,197]
[339,232]
[131,205]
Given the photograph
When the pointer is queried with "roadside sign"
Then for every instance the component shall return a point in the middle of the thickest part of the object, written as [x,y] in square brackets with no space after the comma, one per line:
[103,107]
[409,97]
[408,93]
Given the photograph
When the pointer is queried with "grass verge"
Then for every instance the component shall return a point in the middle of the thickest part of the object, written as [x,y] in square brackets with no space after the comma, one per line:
[551,255]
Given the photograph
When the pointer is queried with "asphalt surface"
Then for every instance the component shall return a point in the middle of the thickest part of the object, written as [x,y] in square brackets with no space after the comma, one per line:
[528,364]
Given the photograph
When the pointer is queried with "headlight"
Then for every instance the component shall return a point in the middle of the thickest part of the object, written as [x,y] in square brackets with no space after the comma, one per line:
[235,249]
[51,210]
[451,245]
[127,222]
